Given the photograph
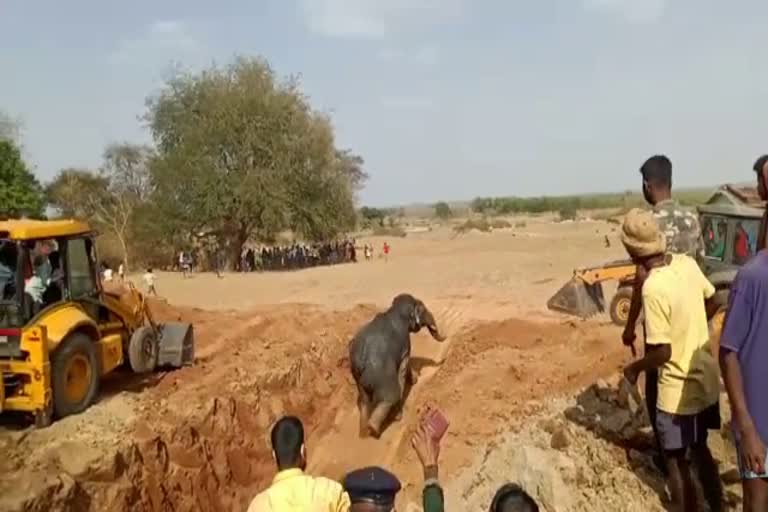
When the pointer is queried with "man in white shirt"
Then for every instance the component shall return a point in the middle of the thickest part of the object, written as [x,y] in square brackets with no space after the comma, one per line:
[149,281]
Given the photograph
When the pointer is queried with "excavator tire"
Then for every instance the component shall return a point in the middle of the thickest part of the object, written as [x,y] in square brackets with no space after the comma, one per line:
[620,304]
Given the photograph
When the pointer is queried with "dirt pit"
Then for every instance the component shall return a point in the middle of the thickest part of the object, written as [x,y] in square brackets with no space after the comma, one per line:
[197,438]
[520,394]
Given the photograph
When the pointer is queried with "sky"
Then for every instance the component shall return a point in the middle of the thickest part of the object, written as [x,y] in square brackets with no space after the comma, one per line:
[444,99]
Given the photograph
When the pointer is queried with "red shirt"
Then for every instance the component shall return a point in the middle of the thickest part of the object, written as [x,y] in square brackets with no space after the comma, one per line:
[742,247]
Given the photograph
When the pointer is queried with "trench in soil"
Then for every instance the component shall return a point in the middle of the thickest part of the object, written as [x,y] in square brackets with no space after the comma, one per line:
[199,438]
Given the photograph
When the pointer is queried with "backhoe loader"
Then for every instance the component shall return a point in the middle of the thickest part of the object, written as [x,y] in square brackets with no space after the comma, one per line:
[730,222]
[61,331]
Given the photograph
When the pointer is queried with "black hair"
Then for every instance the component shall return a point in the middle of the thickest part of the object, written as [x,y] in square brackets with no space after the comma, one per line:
[287,439]
[760,163]
[512,498]
[657,171]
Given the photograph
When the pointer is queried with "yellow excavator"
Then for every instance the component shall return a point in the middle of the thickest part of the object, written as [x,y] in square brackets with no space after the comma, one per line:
[61,331]
[730,220]
[583,295]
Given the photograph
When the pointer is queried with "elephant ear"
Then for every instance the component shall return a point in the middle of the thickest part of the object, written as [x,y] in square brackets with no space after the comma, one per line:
[417,316]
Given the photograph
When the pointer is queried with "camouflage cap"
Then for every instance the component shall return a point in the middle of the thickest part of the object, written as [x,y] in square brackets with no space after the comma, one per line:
[641,236]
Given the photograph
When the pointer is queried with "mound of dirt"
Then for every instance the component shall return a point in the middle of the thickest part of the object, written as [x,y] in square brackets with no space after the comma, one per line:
[197,438]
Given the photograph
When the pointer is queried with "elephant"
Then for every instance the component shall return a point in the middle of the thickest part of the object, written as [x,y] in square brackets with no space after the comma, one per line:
[379,356]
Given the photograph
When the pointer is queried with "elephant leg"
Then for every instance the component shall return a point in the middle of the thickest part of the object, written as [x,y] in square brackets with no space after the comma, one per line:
[378,416]
[364,408]
[403,374]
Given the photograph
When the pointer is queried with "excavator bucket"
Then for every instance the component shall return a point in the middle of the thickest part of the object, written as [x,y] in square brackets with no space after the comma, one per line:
[176,346]
[578,298]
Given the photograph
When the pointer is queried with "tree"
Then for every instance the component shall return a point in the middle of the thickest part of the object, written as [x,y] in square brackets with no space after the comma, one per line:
[351,165]
[373,215]
[20,192]
[109,198]
[242,155]
[9,128]
[75,192]
[443,210]
[568,212]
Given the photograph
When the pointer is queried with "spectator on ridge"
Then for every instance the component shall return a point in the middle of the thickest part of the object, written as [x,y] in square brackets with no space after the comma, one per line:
[292,489]
[428,451]
[512,498]
[743,360]
[677,338]
[371,489]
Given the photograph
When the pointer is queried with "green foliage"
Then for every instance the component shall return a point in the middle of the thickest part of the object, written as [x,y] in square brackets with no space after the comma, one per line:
[9,128]
[443,210]
[242,155]
[20,192]
[389,231]
[111,198]
[568,213]
[75,192]
[511,205]
[376,216]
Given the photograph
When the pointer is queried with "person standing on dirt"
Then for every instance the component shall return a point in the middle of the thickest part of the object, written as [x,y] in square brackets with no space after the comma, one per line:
[149,282]
[292,490]
[677,303]
[743,361]
[683,236]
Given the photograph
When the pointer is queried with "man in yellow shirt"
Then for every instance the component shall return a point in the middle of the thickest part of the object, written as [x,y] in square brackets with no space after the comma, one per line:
[292,490]
[676,301]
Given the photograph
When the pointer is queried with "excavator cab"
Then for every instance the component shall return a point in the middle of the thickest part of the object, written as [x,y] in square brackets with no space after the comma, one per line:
[60,332]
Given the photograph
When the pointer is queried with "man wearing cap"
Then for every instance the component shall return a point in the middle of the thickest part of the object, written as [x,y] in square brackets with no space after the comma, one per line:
[683,236]
[292,489]
[676,303]
[371,489]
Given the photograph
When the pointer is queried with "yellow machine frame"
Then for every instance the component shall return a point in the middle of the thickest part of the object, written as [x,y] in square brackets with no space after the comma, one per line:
[124,312]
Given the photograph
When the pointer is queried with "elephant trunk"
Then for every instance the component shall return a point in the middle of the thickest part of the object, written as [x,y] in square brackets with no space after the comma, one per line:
[431,325]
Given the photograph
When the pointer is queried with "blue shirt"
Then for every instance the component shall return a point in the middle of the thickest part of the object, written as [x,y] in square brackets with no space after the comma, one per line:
[746,333]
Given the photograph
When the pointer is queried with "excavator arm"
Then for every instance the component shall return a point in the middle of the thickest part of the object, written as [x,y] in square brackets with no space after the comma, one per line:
[583,296]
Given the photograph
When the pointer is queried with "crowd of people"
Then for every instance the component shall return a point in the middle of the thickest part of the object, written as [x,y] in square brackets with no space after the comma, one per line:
[297,256]
[284,257]
[368,489]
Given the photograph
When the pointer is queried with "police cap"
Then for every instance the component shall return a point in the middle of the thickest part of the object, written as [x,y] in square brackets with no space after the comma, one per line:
[372,485]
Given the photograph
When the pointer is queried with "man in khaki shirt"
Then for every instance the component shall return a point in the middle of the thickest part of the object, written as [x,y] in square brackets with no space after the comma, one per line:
[292,489]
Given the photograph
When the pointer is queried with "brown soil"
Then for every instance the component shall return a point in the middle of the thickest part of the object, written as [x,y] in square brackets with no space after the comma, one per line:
[197,438]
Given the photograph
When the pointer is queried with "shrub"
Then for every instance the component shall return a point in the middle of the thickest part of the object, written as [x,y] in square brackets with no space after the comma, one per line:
[470,224]
[389,231]
[567,213]
[443,210]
